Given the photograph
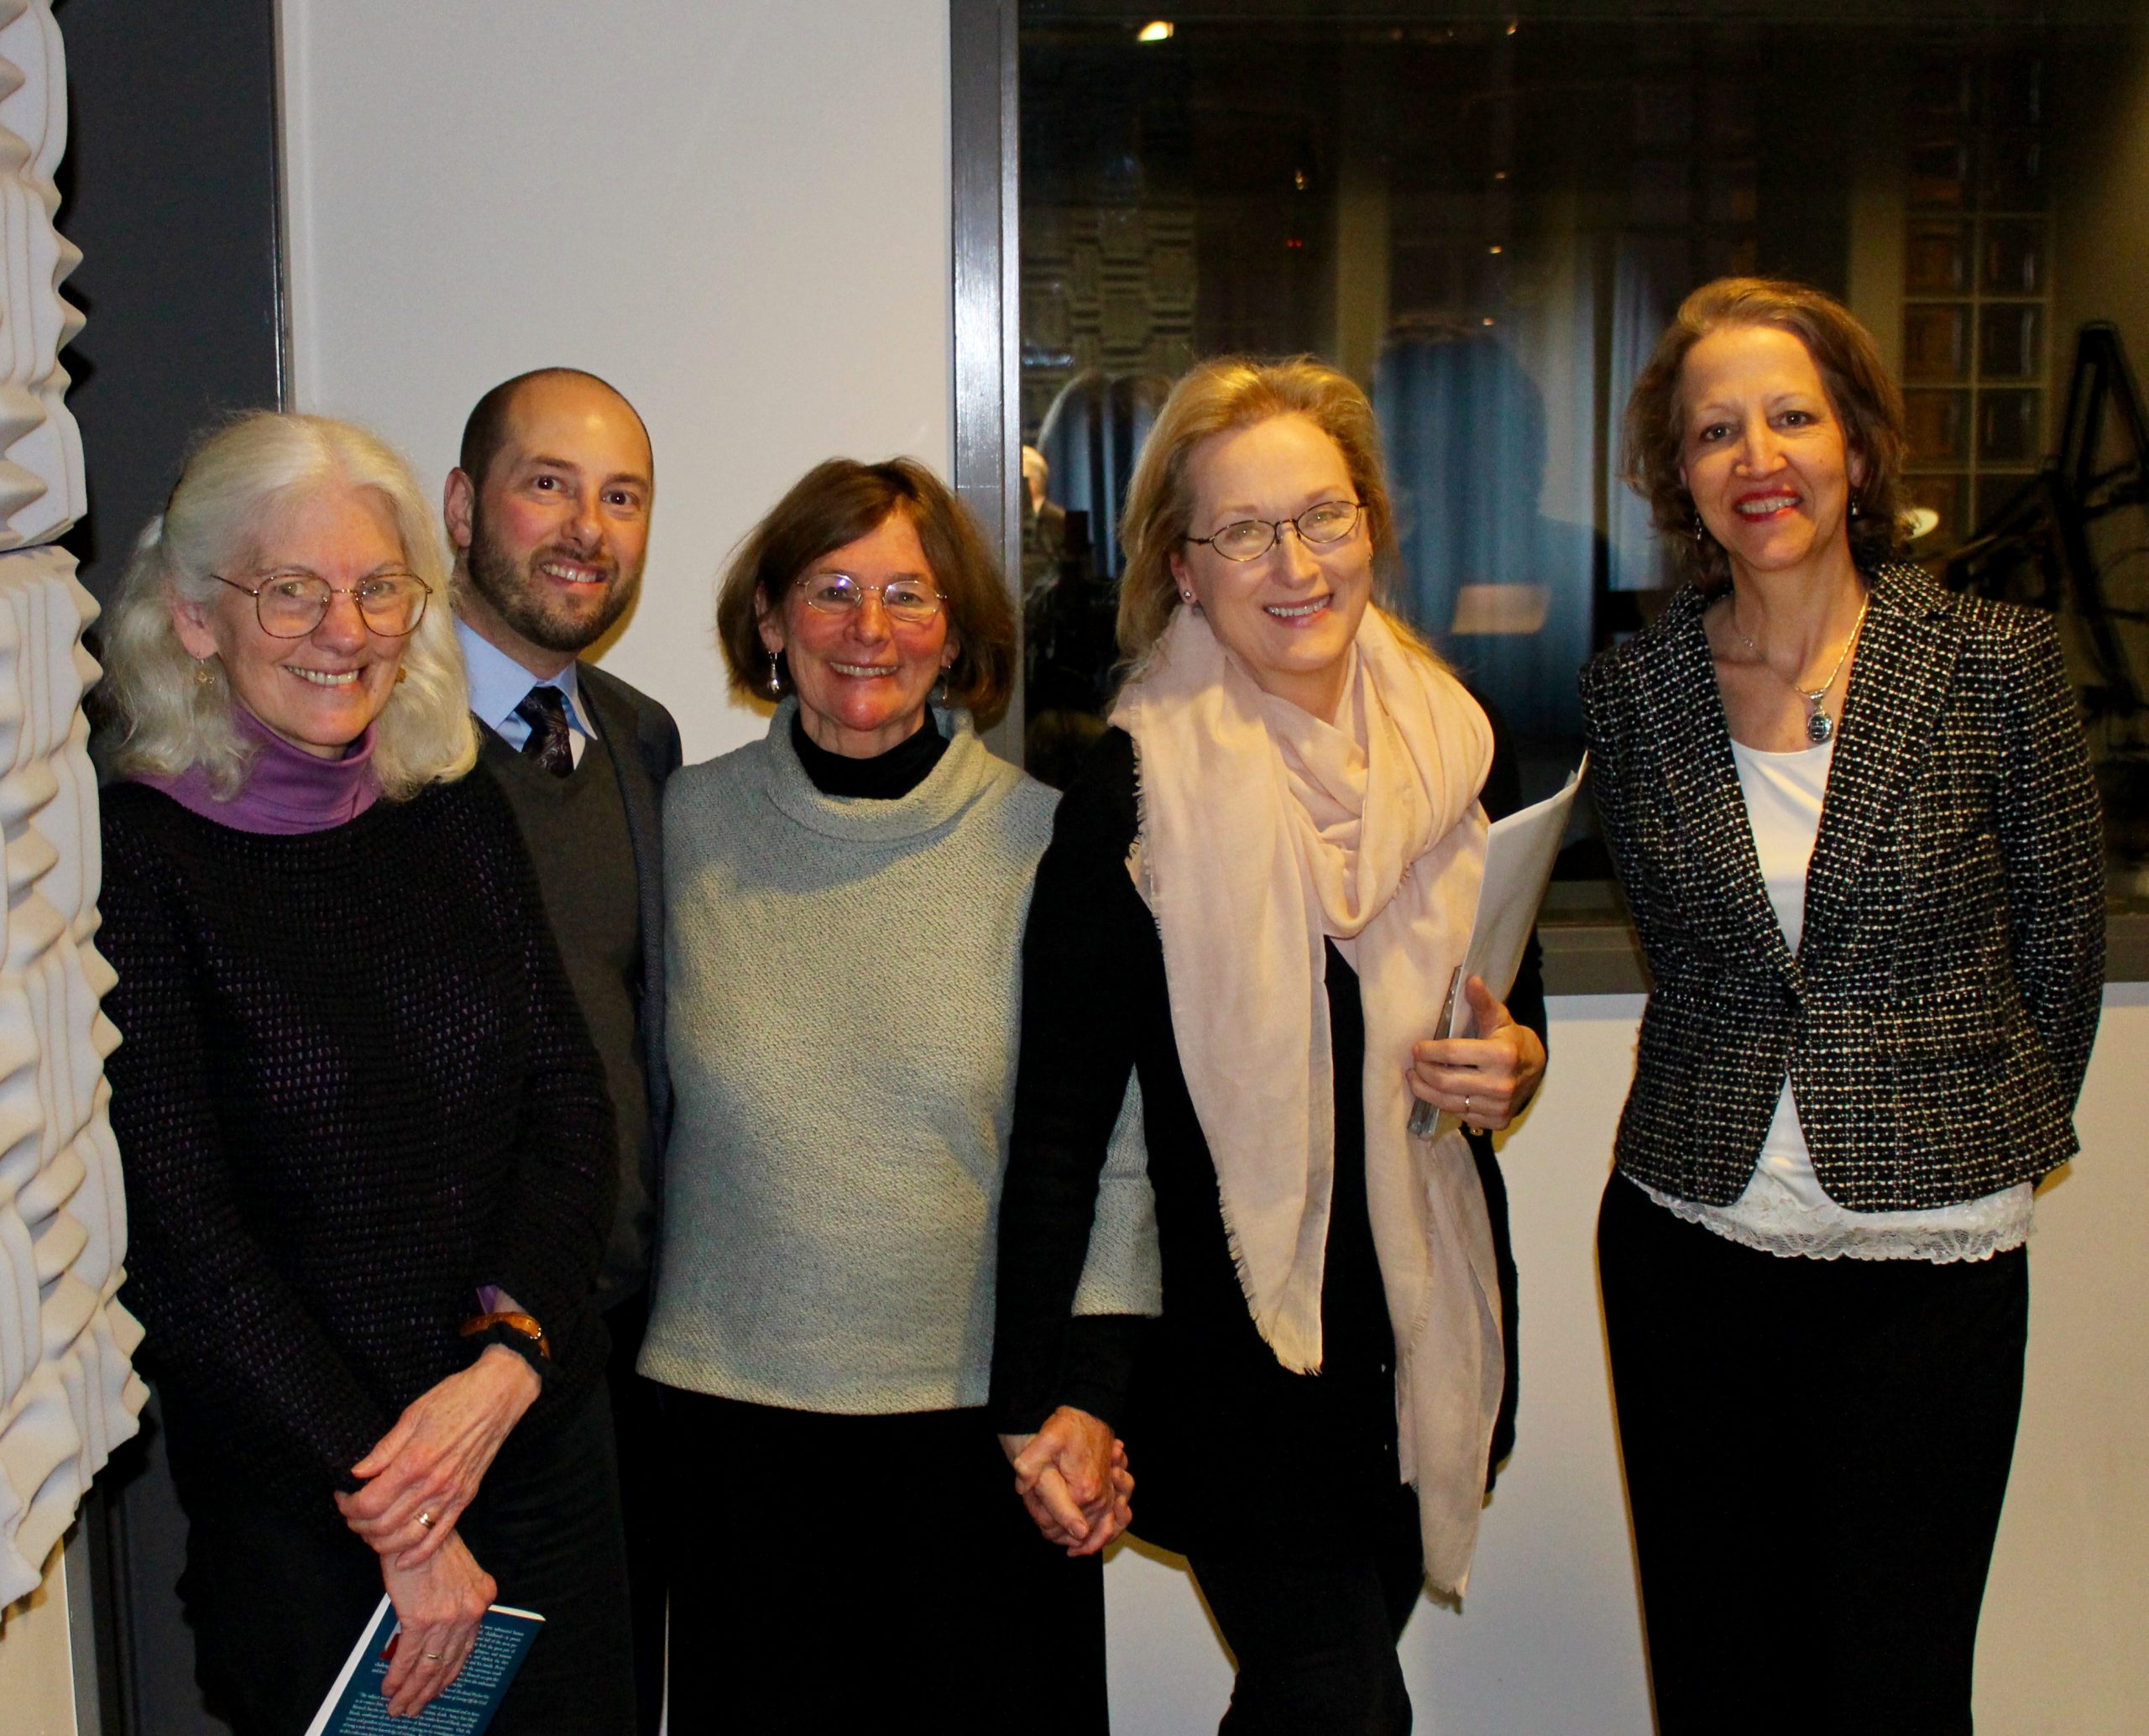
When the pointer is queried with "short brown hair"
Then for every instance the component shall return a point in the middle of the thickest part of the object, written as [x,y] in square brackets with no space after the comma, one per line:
[1864,399]
[837,502]
[1233,392]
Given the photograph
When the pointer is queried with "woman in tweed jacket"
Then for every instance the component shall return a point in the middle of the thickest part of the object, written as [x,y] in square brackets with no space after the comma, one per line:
[1869,1023]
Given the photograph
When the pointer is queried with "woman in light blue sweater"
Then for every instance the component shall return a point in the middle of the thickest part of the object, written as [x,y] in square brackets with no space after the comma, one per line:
[845,902]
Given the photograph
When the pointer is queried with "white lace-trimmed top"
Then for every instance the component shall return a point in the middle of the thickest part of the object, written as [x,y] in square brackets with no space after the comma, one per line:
[1784,1209]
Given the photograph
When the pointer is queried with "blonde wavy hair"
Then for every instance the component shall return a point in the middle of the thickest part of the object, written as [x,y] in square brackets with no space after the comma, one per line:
[1235,392]
[238,479]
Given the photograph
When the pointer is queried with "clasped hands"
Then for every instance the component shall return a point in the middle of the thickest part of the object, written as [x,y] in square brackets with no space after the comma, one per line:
[419,1477]
[1073,1479]
[1487,1078]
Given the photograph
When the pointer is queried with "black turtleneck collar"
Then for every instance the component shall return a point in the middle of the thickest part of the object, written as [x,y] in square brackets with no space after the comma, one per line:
[882,778]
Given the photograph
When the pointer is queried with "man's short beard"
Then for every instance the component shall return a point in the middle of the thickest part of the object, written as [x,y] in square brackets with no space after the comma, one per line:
[511,591]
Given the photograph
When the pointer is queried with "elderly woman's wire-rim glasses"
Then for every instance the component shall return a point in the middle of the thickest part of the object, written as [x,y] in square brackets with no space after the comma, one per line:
[911,601]
[290,605]
[1250,539]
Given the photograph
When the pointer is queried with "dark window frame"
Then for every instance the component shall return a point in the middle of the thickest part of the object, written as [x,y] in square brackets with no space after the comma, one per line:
[985,171]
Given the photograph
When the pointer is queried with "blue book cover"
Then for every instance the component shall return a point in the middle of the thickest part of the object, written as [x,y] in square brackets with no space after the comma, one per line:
[356,1706]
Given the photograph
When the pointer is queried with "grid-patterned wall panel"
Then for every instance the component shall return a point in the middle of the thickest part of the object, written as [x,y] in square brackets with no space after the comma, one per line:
[1107,289]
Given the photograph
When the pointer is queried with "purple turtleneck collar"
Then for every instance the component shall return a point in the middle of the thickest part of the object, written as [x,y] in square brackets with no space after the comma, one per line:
[287,791]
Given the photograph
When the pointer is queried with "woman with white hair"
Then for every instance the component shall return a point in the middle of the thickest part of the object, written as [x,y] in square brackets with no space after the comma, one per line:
[367,1143]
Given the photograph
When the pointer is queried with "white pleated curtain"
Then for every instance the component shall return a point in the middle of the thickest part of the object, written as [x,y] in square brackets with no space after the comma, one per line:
[68,1391]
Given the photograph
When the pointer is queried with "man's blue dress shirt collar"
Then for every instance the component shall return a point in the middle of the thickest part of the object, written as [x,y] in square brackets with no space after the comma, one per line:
[498,684]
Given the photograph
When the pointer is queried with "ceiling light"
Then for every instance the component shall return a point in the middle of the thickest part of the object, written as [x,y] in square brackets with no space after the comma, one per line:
[1156,30]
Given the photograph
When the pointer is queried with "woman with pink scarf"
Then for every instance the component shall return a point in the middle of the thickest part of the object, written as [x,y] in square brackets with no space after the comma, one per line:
[1257,891]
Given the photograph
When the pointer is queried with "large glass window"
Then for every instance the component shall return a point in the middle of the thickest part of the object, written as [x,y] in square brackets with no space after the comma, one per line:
[1487,223]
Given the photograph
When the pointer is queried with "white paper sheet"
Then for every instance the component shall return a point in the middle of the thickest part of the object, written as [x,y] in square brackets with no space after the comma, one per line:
[1519,851]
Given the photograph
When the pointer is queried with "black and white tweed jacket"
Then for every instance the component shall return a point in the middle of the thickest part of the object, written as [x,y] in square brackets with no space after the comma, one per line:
[1937,1016]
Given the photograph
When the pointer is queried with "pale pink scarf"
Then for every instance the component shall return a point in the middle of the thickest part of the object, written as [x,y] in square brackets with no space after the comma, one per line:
[1265,830]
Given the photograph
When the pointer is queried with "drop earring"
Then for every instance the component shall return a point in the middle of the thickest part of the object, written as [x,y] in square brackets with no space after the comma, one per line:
[1855,509]
[203,674]
[1697,531]
[776,680]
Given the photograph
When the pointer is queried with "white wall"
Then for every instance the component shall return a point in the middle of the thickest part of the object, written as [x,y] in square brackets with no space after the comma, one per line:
[2060,1650]
[735,210]
[739,212]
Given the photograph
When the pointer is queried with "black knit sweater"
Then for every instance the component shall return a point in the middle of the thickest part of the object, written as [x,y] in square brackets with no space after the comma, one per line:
[353,1087]
[1229,1450]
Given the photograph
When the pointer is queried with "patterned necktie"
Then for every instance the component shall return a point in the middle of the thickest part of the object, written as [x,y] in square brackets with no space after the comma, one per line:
[545,709]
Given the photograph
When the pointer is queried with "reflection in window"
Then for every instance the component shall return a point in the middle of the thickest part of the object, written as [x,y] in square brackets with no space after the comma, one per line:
[1487,223]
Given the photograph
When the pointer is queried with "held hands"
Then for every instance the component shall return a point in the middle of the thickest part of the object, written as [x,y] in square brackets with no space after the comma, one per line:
[1073,1479]
[425,1469]
[440,1605]
[1487,1079]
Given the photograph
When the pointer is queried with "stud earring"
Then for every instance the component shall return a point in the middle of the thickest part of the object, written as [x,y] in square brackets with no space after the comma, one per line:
[1186,596]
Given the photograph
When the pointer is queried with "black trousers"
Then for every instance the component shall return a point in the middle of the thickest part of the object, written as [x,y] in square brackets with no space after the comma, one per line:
[1817,1452]
[1315,1640]
[638,1440]
[836,1573]
[277,1598]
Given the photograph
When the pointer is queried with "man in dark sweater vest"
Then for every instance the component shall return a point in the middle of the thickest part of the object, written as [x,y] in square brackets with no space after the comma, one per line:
[548,514]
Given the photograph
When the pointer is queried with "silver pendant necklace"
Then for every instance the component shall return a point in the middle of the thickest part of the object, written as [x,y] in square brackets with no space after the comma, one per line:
[1819,725]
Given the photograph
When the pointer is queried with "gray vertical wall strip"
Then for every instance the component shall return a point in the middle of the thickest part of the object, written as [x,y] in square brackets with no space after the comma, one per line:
[280,232]
[83,1629]
[171,188]
[170,185]
[983,144]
